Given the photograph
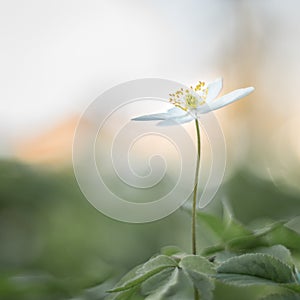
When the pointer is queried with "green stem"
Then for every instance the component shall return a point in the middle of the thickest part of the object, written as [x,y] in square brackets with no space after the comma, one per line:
[194,209]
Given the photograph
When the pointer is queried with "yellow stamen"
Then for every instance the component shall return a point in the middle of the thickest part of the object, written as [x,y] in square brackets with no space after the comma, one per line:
[185,99]
[191,101]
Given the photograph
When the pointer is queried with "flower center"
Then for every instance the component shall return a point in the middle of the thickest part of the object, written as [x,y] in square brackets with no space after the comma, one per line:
[190,98]
[191,101]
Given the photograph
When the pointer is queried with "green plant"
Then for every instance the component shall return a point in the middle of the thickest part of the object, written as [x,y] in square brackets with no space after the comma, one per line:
[242,257]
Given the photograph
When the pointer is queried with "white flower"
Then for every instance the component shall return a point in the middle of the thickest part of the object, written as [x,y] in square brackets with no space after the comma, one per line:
[191,102]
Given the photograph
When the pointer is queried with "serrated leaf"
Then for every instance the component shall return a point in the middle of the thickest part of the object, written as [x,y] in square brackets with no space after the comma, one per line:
[197,264]
[249,269]
[165,289]
[156,281]
[178,288]
[183,289]
[278,251]
[157,262]
[203,283]
[198,269]
[147,270]
[243,280]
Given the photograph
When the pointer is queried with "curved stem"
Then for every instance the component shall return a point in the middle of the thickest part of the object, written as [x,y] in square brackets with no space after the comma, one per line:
[194,208]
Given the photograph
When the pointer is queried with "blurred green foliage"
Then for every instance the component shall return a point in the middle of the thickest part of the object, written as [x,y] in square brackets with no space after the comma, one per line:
[55,245]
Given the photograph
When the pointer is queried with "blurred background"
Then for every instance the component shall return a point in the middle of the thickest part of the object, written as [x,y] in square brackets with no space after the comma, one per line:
[58,56]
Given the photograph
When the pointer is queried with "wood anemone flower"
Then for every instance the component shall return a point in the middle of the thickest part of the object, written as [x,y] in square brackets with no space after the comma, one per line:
[190,103]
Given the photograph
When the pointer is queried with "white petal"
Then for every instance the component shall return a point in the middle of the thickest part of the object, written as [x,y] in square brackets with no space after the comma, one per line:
[176,111]
[214,89]
[175,121]
[152,117]
[203,109]
[230,97]
[171,113]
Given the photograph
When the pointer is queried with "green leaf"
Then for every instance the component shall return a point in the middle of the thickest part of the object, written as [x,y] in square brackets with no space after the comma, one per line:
[214,223]
[243,280]
[246,242]
[156,281]
[227,212]
[203,283]
[170,250]
[294,224]
[249,269]
[222,256]
[142,273]
[278,251]
[166,287]
[224,229]
[284,236]
[212,250]
[124,295]
[198,269]
[233,228]
[183,289]
[257,238]
[197,264]
[156,263]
